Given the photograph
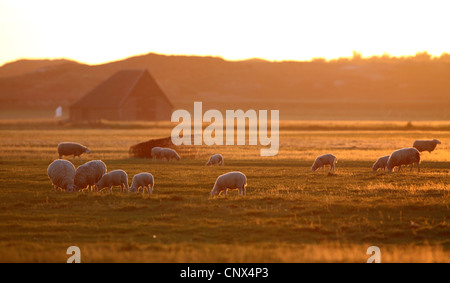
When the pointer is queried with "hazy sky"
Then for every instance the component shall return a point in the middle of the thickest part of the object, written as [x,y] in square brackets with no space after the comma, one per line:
[98,31]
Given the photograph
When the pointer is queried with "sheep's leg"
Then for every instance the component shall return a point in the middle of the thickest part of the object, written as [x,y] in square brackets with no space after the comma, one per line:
[110,189]
[55,188]
[399,168]
[151,189]
[242,191]
[418,167]
[411,166]
[332,167]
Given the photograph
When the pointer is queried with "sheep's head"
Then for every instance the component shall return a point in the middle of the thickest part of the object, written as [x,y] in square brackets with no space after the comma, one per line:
[375,166]
[437,141]
[87,150]
[314,167]
[215,191]
[76,188]
[71,188]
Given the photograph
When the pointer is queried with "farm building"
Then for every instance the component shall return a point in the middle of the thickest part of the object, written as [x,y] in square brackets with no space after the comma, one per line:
[127,95]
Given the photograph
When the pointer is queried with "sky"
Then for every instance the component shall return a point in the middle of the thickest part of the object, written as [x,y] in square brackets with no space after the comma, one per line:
[98,31]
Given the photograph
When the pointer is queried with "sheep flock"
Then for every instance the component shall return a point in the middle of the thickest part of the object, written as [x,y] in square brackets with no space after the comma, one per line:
[93,175]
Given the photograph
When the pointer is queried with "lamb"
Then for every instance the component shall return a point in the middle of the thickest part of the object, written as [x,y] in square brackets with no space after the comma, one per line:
[381,163]
[169,154]
[61,173]
[156,152]
[72,148]
[215,159]
[113,178]
[230,181]
[404,156]
[426,145]
[144,180]
[321,161]
[89,173]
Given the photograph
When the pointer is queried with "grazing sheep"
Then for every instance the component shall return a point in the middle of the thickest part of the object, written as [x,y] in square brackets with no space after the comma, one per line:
[215,159]
[404,156]
[144,180]
[156,152]
[230,181]
[426,145]
[381,163]
[113,178]
[61,173]
[89,173]
[169,153]
[321,161]
[72,148]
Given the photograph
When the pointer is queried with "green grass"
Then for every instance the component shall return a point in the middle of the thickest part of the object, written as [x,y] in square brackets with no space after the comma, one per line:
[288,215]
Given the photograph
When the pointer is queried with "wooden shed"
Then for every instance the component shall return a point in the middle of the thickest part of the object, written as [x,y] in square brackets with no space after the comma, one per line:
[127,95]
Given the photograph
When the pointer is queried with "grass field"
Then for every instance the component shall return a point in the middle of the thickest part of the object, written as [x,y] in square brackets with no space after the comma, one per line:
[288,215]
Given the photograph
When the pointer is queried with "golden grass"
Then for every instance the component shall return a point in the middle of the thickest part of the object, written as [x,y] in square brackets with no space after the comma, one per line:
[288,215]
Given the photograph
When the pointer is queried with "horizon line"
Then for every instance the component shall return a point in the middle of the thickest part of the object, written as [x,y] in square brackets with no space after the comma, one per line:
[355,55]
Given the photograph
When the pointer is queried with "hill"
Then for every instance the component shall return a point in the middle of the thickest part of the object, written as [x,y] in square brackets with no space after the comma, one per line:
[407,88]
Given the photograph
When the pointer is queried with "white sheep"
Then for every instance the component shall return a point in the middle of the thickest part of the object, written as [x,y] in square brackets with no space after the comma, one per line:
[404,156]
[156,152]
[381,163]
[113,178]
[216,159]
[61,173]
[230,181]
[72,148]
[144,180]
[321,161]
[426,145]
[169,154]
[89,173]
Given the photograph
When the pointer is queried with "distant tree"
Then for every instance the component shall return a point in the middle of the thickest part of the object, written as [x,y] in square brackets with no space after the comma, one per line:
[422,56]
[357,56]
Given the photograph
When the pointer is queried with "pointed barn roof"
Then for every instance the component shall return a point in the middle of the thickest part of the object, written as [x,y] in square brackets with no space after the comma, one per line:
[115,90]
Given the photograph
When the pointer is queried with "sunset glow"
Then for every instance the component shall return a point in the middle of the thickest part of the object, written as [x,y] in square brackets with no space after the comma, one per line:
[100,31]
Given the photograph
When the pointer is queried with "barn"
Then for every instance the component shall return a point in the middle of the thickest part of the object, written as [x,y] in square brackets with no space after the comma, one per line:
[127,95]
